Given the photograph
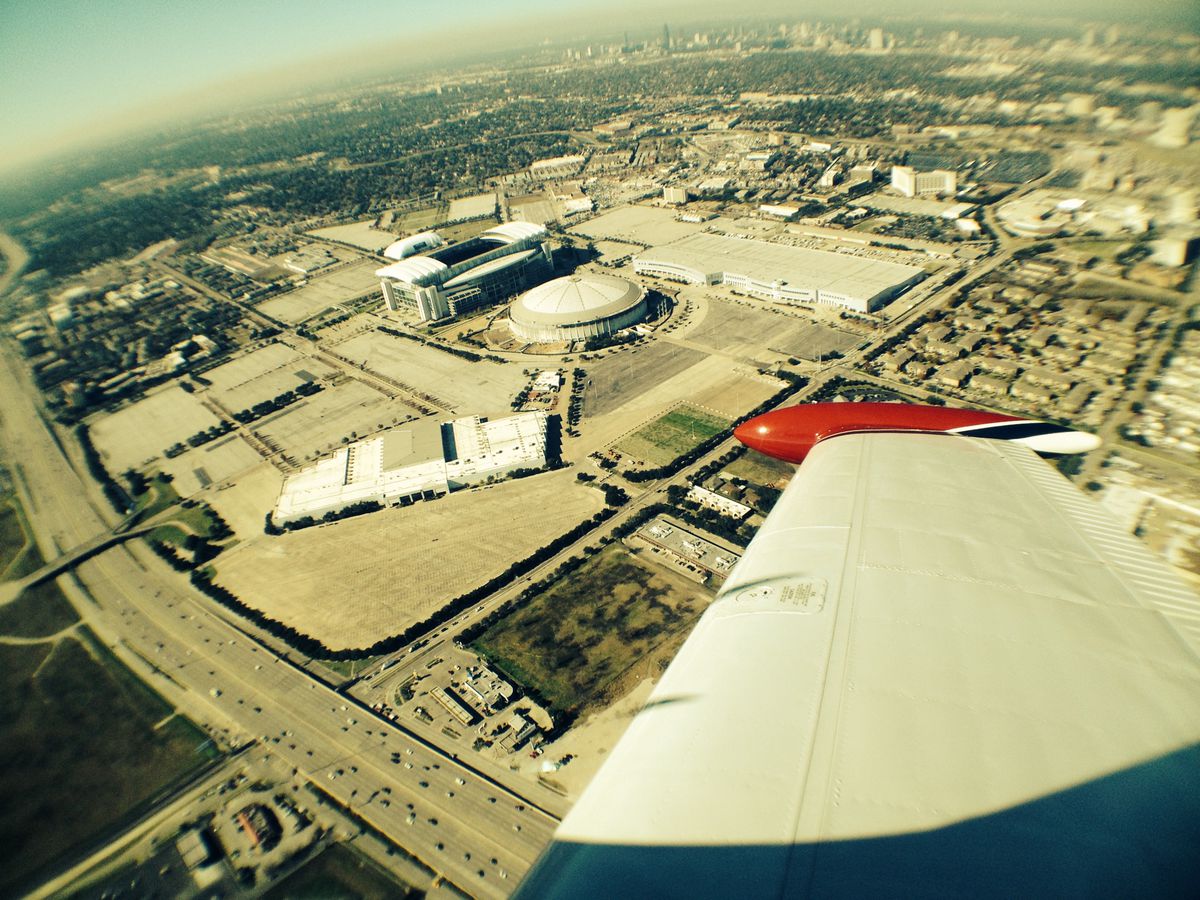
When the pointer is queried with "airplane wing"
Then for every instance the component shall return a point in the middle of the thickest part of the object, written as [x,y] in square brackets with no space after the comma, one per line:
[938,670]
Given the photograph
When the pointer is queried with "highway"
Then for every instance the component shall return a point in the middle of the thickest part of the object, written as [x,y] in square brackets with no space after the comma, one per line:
[479,835]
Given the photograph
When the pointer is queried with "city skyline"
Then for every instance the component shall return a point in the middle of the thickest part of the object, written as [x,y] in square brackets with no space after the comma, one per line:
[141,65]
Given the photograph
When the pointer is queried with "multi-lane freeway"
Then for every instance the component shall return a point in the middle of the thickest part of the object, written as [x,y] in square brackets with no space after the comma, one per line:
[478,834]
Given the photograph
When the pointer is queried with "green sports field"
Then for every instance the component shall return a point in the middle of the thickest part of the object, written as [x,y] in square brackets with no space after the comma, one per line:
[671,435]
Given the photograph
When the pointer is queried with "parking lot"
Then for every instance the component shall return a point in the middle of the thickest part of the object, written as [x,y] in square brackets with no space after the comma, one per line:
[470,388]
[140,432]
[324,291]
[745,329]
[317,424]
[261,375]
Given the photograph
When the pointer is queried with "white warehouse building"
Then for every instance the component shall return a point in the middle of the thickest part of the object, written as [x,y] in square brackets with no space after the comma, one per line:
[779,272]
[577,308]
[413,463]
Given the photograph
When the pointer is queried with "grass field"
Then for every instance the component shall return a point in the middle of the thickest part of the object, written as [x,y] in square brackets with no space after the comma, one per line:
[84,742]
[668,437]
[42,609]
[578,643]
[12,536]
[340,873]
[762,470]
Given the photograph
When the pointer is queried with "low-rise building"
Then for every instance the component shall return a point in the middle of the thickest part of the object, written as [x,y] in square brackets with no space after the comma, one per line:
[955,374]
[412,463]
[724,505]
[990,384]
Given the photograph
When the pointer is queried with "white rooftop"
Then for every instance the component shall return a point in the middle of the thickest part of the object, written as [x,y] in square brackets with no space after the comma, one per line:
[409,461]
[839,273]
[577,298]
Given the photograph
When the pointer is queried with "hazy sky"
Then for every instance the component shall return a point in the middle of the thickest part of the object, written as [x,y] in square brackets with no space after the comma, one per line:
[71,64]
[71,69]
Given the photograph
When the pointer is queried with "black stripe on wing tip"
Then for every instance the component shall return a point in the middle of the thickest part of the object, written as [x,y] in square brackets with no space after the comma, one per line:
[1014,431]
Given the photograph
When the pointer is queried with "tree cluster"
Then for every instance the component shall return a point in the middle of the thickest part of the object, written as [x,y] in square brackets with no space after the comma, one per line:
[113,492]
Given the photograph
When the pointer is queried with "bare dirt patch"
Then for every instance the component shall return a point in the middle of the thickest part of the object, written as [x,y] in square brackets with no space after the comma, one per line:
[353,582]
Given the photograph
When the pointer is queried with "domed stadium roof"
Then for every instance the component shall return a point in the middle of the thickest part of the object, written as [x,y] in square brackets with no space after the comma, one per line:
[417,243]
[576,299]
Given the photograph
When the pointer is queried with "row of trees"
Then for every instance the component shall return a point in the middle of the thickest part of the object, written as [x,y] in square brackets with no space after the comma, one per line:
[360,508]
[312,647]
[113,492]
[278,402]
[468,355]
[245,416]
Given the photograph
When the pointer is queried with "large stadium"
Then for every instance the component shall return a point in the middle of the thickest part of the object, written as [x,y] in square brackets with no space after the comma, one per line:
[577,308]
[779,272]
[437,281]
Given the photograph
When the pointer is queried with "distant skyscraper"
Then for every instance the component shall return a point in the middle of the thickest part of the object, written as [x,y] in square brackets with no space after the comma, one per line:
[904,179]
[875,39]
[666,40]
[911,183]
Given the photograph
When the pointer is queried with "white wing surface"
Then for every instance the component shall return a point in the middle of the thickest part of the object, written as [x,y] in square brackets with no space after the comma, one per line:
[938,670]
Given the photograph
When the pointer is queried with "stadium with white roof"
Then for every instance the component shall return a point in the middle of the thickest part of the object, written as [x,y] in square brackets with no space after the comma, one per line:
[577,308]
[779,272]
[437,281]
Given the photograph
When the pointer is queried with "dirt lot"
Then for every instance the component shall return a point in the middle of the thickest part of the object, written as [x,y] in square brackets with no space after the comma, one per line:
[473,207]
[356,581]
[324,291]
[244,503]
[469,387]
[261,375]
[132,436]
[316,425]
[745,330]
[589,741]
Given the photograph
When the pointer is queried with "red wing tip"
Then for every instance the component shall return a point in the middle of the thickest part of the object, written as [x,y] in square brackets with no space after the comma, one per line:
[790,433]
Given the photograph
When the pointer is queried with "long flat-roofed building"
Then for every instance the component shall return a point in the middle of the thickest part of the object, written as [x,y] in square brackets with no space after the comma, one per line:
[779,272]
[413,463]
[449,280]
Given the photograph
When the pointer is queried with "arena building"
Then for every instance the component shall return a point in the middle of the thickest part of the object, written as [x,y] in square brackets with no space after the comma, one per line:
[779,272]
[414,463]
[450,280]
[577,308]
